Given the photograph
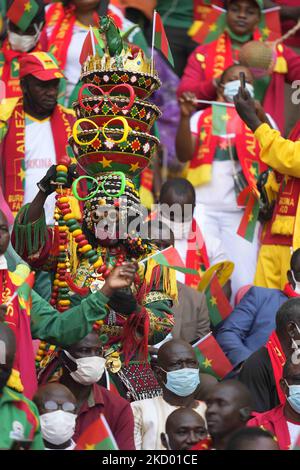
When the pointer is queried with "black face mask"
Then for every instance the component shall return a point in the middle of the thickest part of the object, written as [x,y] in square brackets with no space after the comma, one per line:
[123,301]
[4,376]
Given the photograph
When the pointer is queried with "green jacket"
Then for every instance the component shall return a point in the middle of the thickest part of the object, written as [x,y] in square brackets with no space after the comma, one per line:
[63,330]
[19,420]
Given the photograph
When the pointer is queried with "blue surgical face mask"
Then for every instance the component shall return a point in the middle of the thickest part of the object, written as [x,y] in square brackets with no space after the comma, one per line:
[294,396]
[182,382]
[231,89]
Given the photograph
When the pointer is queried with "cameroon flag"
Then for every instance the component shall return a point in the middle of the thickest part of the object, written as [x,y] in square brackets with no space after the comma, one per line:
[97,436]
[217,303]
[22,12]
[211,357]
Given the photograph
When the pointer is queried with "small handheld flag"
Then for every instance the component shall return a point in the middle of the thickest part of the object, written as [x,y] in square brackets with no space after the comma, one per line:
[211,357]
[22,12]
[248,197]
[218,305]
[225,120]
[160,40]
[170,257]
[91,46]
[204,32]
[97,436]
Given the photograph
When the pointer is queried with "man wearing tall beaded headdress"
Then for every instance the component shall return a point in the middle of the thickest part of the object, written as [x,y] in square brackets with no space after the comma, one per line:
[111,232]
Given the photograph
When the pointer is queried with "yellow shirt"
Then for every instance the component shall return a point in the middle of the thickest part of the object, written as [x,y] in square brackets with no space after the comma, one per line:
[281,154]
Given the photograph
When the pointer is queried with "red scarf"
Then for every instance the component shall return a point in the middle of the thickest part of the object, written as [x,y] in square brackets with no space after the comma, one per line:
[18,320]
[247,147]
[14,152]
[278,359]
[196,256]
[289,291]
[9,69]
[220,55]
[62,19]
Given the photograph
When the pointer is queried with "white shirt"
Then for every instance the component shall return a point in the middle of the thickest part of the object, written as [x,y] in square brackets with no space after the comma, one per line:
[73,68]
[150,417]
[39,156]
[219,191]
[294,430]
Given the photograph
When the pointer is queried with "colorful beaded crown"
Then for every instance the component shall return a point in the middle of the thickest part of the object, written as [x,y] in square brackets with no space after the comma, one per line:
[113,117]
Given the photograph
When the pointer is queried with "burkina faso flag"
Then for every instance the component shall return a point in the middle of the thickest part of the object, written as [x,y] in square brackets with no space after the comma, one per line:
[170,258]
[225,120]
[93,45]
[204,32]
[217,303]
[269,25]
[160,39]
[97,436]
[249,198]
[211,357]
[22,12]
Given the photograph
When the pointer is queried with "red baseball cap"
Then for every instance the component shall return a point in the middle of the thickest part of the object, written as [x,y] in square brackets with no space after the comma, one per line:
[41,65]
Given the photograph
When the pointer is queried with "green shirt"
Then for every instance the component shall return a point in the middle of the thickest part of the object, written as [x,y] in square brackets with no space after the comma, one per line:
[19,420]
[176,13]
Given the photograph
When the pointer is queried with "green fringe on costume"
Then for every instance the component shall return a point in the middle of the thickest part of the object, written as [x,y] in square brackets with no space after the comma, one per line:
[29,236]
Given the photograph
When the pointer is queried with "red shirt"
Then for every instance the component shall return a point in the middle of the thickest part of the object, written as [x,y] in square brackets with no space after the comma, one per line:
[275,422]
[117,412]
[293,41]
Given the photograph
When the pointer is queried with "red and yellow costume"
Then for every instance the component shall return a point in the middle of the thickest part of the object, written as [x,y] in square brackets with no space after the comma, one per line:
[282,234]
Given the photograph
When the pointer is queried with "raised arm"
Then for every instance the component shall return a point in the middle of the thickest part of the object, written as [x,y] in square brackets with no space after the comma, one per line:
[185,141]
[281,154]
[63,329]
[194,79]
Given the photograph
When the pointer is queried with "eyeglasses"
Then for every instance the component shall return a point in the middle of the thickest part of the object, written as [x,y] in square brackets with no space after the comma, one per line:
[53,406]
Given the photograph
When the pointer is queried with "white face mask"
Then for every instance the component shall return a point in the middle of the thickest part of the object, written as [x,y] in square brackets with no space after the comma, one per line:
[231,89]
[180,230]
[89,369]
[297,283]
[58,426]
[24,43]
